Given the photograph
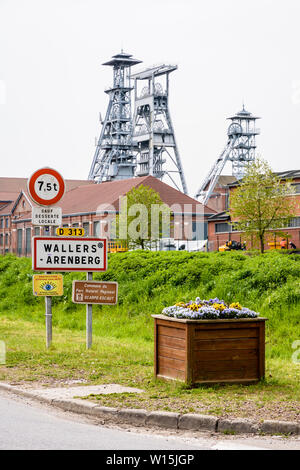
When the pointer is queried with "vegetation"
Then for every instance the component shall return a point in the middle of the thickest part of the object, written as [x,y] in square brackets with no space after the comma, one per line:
[123,334]
[143,218]
[261,202]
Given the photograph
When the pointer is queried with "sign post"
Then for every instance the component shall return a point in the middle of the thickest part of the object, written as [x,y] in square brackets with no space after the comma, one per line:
[89,318]
[48,316]
[46,187]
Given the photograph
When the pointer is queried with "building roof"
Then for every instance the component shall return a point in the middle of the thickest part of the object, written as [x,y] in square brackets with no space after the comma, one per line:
[86,199]
[83,197]
[222,216]
[7,200]
[225,180]
[244,114]
[288,174]
[19,184]
[122,59]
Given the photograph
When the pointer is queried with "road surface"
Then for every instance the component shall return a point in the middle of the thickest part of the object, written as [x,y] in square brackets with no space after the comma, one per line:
[28,425]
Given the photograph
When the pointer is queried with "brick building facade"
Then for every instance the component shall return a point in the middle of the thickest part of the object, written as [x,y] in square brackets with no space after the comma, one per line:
[219,225]
[90,206]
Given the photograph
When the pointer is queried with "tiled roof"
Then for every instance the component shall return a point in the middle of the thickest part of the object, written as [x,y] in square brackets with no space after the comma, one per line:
[220,216]
[19,184]
[7,200]
[88,198]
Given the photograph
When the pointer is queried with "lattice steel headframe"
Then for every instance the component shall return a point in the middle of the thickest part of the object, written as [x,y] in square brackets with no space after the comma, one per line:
[157,151]
[240,150]
[114,157]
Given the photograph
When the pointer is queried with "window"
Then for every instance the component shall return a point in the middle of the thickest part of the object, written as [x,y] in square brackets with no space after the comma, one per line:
[28,240]
[96,231]
[1,240]
[19,241]
[53,230]
[294,222]
[75,225]
[297,187]
[36,231]
[86,228]
[222,227]
[6,239]
[199,230]
[1,223]
[6,223]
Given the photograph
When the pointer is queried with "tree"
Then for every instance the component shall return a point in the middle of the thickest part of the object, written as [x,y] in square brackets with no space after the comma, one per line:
[143,218]
[261,202]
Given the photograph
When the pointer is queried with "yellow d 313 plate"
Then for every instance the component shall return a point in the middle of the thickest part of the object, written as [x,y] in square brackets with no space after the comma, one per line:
[48,284]
[70,231]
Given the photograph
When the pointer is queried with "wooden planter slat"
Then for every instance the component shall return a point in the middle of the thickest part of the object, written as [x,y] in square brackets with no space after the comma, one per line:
[209,351]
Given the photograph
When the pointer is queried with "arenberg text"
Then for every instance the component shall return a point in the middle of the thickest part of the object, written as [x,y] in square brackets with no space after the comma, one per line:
[69,254]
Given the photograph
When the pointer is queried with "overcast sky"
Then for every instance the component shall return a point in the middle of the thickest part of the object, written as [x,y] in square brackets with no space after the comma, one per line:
[228,51]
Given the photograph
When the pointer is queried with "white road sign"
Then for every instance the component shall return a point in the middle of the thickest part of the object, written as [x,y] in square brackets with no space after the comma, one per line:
[46,216]
[46,186]
[69,254]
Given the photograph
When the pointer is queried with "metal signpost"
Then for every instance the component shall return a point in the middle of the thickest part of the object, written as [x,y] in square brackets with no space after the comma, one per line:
[46,187]
[71,254]
[65,252]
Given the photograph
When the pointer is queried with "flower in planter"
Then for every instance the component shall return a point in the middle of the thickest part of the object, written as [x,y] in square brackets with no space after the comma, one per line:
[208,309]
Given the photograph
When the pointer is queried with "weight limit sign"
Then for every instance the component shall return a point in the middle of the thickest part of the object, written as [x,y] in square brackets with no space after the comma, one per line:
[46,186]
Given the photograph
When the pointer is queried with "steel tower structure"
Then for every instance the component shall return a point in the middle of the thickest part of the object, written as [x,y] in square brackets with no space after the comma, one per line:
[114,157]
[240,150]
[157,151]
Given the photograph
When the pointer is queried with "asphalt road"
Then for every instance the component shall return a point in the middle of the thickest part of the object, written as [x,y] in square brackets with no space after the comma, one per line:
[28,425]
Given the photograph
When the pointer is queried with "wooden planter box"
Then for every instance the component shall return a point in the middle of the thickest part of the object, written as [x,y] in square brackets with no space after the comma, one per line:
[209,351]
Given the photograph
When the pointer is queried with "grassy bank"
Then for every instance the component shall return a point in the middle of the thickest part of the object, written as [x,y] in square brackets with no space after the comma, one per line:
[123,334]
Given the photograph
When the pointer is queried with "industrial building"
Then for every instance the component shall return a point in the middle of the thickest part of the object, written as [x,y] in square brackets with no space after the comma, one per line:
[137,145]
[90,206]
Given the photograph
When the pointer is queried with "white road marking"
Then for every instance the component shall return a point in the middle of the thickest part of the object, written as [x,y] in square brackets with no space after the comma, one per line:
[222,445]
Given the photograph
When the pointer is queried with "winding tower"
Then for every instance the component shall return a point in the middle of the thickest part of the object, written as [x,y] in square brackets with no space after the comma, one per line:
[240,150]
[156,149]
[114,157]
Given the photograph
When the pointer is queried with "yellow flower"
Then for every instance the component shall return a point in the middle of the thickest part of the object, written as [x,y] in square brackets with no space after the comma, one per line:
[219,307]
[193,307]
[236,305]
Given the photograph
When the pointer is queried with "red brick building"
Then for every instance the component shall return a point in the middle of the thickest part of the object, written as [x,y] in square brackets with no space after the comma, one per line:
[219,225]
[89,205]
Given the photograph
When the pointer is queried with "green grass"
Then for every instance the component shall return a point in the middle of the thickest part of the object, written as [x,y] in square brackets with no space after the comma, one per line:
[123,334]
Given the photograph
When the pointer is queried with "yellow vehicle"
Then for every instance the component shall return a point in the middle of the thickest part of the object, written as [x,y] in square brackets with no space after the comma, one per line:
[232,245]
[117,247]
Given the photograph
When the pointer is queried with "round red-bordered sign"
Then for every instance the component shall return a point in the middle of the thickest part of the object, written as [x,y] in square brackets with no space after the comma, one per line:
[46,186]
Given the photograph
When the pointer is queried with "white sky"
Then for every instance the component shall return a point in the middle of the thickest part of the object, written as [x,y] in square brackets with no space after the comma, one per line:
[52,82]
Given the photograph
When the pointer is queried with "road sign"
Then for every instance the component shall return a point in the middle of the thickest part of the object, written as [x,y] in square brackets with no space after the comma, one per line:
[46,186]
[46,216]
[48,284]
[69,254]
[70,231]
[95,292]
